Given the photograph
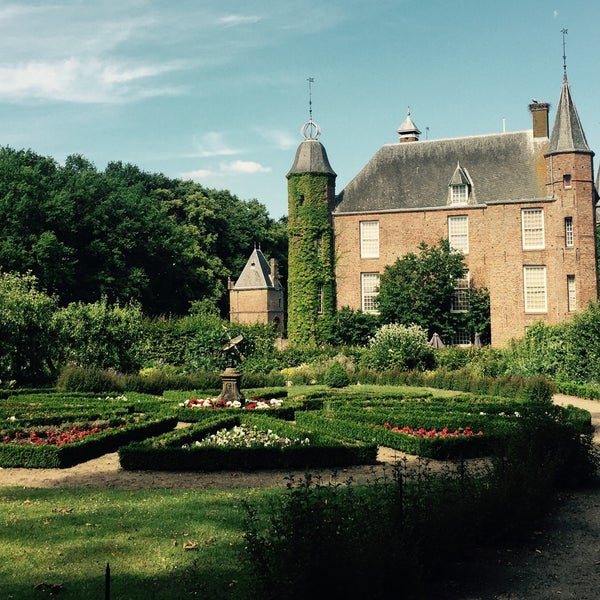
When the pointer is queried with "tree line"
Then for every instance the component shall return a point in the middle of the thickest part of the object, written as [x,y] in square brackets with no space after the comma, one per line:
[124,234]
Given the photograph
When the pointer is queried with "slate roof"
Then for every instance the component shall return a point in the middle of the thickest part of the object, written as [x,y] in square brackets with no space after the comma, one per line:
[257,274]
[506,167]
[567,132]
[311,157]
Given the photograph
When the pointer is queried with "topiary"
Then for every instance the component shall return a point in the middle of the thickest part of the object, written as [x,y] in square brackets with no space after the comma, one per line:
[336,376]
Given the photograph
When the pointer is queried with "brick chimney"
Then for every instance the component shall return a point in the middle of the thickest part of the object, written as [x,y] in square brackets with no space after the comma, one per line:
[539,110]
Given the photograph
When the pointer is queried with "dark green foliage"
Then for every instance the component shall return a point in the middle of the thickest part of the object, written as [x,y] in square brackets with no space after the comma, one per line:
[125,234]
[351,328]
[419,288]
[28,345]
[336,376]
[539,390]
[311,278]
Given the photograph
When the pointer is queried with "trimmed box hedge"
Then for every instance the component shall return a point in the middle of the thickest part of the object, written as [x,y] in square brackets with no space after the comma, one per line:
[176,452]
[92,446]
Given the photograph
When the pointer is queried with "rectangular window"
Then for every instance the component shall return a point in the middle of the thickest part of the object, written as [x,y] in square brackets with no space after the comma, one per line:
[458,194]
[369,239]
[567,180]
[461,337]
[534,280]
[571,293]
[569,237]
[369,283]
[460,298]
[320,298]
[458,233]
[532,222]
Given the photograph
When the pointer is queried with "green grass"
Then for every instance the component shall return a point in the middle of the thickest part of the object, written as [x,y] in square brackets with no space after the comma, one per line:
[67,537]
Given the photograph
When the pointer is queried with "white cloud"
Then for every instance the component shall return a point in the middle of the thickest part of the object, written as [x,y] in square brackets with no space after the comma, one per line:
[244,167]
[284,140]
[82,80]
[225,170]
[233,20]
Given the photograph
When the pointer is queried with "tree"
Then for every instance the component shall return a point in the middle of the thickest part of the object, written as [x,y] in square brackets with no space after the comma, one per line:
[420,288]
[27,340]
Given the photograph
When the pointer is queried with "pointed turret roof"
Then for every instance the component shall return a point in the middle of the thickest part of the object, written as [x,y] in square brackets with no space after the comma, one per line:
[408,129]
[567,133]
[257,274]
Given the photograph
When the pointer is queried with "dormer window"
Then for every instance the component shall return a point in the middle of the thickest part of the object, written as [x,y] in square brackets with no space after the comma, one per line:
[459,194]
[460,187]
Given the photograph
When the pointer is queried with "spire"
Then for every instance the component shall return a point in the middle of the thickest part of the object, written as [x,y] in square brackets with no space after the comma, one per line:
[567,132]
[408,131]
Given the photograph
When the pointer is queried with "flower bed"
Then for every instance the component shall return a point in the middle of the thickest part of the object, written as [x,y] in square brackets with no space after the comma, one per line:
[255,403]
[60,447]
[432,433]
[249,442]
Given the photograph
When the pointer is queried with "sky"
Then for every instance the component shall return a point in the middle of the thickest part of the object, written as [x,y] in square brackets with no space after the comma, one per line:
[217,90]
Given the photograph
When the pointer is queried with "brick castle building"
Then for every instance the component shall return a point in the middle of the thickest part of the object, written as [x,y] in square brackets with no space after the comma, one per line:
[520,206]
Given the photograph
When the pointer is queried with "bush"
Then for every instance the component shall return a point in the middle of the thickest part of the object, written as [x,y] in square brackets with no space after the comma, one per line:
[396,346]
[336,376]
[539,390]
[89,379]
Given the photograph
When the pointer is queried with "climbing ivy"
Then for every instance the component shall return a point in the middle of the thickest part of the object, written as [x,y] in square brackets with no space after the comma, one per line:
[311,280]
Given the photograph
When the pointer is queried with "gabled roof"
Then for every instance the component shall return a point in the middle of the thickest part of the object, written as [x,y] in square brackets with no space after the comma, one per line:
[567,133]
[506,167]
[257,274]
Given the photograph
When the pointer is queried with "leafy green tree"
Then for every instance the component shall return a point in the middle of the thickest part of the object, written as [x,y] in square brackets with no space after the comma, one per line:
[101,335]
[27,340]
[419,288]
[351,328]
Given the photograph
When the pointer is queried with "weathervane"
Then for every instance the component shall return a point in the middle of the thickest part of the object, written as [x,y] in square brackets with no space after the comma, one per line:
[564,33]
[310,130]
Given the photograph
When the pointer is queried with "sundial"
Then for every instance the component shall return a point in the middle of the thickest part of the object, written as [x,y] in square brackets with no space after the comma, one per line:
[231,349]
[231,377]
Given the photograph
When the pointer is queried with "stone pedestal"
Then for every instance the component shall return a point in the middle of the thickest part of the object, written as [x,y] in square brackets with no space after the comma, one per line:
[231,386]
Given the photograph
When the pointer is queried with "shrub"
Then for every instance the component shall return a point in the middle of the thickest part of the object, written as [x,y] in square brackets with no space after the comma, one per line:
[89,379]
[101,335]
[539,390]
[336,376]
[396,346]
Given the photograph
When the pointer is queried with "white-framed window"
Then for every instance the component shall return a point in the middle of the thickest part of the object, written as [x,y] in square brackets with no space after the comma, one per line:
[369,288]
[571,293]
[462,337]
[569,235]
[459,193]
[369,239]
[458,233]
[534,283]
[320,299]
[460,297]
[532,224]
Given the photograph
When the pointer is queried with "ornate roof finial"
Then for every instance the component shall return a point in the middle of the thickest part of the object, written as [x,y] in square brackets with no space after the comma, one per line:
[564,33]
[310,130]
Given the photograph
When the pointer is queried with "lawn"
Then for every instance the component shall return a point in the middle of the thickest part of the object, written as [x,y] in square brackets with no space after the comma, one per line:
[68,536]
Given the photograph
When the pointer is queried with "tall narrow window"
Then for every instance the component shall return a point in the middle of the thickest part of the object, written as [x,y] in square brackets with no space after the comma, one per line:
[369,239]
[534,280]
[571,293]
[532,223]
[458,233]
[460,298]
[369,283]
[567,180]
[569,237]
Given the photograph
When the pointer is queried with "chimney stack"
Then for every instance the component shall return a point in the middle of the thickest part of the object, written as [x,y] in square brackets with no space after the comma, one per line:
[539,110]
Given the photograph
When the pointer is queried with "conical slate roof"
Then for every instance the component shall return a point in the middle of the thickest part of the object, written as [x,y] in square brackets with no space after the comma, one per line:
[408,128]
[567,133]
[311,157]
[257,274]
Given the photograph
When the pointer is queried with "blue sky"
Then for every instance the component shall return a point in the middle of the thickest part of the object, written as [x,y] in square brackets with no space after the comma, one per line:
[216,90]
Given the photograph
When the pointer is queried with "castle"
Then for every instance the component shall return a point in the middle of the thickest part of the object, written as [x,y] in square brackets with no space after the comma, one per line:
[520,206]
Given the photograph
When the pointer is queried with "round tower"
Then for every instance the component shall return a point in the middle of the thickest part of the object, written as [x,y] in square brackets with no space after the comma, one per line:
[311,276]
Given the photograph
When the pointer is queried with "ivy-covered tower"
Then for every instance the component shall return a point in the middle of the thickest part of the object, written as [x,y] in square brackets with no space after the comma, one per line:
[311,272]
